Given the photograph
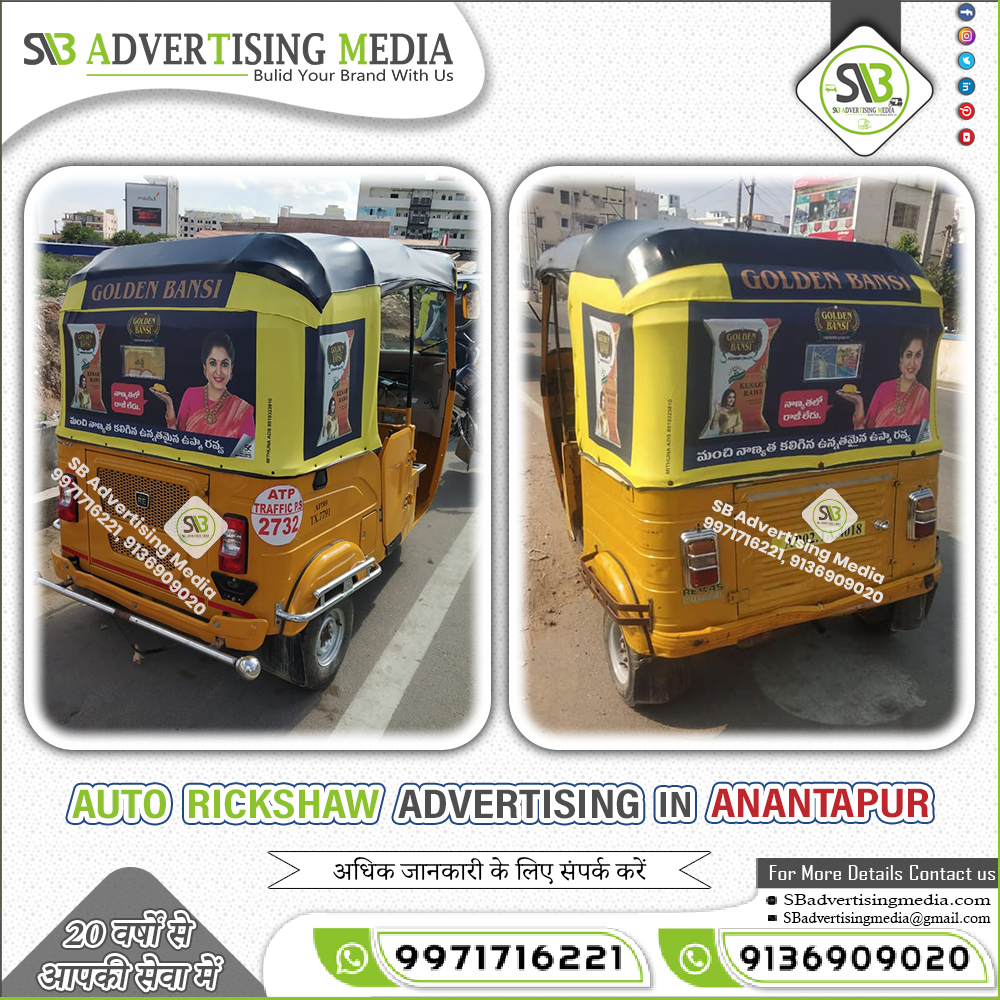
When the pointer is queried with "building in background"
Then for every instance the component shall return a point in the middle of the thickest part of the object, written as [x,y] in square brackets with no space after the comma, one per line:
[105,223]
[759,222]
[152,207]
[193,221]
[554,213]
[875,210]
[669,207]
[440,209]
[331,212]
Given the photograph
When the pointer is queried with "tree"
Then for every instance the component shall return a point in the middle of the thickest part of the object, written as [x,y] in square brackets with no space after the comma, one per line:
[940,275]
[909,243]
[77,232]
[125,238]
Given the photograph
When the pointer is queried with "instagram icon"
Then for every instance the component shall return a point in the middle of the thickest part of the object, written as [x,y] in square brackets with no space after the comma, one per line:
[966,35]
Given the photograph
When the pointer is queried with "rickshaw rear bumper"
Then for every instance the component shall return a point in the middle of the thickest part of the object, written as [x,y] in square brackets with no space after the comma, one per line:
[677,644]
[237,633]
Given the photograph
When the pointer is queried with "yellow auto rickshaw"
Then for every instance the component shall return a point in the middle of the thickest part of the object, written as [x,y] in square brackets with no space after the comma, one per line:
[714,386]
[248,430]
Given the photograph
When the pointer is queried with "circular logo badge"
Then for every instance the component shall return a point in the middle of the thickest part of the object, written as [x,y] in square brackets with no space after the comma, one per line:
[966,11]
[966,111]
[196,527]
[966,85]
[695,959]
[966,60]
[966,36]
[276,514]
[864,89]
[966,137]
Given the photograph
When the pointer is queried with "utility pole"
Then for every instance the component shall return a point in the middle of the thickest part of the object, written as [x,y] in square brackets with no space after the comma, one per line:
[925,250]
[751,190]
[739,203]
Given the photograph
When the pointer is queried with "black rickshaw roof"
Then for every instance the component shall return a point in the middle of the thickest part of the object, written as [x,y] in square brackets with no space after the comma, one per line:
[630,251]
[316,265]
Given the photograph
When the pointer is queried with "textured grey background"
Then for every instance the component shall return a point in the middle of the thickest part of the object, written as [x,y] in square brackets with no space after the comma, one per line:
[566,83]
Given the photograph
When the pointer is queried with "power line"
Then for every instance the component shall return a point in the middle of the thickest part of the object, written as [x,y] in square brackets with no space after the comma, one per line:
[707,193]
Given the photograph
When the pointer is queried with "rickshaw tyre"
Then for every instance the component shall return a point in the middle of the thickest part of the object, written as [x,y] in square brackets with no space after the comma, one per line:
[318,672]
[878,619]
[644,680]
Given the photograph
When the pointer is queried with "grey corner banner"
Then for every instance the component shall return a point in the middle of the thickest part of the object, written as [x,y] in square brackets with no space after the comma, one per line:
[874,873]
[131,936]
[885,17]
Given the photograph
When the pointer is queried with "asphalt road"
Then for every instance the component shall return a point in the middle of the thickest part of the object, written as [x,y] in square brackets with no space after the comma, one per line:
[399,674]
[832,674]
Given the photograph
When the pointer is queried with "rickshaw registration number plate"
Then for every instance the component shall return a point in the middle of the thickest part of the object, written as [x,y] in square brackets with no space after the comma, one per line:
[856,530]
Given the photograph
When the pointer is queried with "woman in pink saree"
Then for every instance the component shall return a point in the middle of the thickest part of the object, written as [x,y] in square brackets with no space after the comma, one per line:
[211,408]
[900,401]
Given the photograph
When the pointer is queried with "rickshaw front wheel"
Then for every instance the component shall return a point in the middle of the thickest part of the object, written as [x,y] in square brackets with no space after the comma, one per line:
[642,680]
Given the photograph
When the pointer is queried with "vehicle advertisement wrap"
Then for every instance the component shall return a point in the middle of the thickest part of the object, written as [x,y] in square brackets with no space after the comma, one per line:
[609,363]
[836,378]
[184,380]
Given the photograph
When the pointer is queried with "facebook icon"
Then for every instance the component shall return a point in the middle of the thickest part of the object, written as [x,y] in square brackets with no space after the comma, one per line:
[966,11]
[966,60]
[966,85]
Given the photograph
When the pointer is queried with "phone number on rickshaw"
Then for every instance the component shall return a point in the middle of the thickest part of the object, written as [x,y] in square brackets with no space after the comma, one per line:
[813,567]
[146,556]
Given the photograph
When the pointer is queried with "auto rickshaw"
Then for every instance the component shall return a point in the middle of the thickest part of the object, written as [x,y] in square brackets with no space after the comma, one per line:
[267,382]
[714,377]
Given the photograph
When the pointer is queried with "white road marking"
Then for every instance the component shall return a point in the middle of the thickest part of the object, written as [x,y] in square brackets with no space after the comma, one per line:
[948,388]
[373,707]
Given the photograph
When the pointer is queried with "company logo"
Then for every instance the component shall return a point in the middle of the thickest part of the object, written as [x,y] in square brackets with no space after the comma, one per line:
[55,47]
[966,137]
[141,500]
[143,326]
[966,60]
[864,90]
[966,11]
[966,36]
[336,354]
[739,343]
[837,319]
[966,85]
[966,111]
[85,341]
[829,515]
[195,527]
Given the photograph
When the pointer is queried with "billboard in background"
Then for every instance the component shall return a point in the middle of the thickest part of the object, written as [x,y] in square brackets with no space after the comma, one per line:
[146,208]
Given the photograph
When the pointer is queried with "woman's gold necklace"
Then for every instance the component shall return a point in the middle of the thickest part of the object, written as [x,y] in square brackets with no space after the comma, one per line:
[212,412]
[899,402]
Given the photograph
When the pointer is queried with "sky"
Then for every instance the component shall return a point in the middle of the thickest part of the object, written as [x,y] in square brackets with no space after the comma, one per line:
[246,191]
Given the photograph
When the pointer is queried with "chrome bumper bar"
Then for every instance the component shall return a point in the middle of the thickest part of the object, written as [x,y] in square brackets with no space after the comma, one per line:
[248,667]
[328,595]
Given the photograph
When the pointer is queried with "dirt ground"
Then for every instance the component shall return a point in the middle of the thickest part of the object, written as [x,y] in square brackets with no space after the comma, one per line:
[48,380]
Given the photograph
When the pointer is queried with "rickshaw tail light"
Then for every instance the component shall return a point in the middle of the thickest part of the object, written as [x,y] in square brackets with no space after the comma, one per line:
[700,552]
[233,547]
[68,509]
[921,514]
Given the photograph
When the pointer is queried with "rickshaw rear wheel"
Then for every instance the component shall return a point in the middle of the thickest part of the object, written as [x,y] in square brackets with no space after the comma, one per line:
[324,644]
[642,680]
[312,658]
